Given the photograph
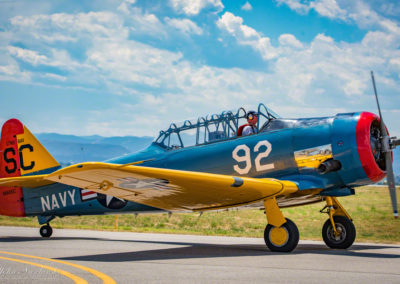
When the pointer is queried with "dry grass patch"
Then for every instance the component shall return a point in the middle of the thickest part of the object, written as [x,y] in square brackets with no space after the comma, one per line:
[370,209]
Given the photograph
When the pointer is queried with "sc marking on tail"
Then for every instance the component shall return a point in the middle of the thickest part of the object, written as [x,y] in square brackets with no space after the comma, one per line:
[10,155]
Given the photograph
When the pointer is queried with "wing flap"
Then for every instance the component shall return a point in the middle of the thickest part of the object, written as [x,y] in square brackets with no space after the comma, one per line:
[172,190]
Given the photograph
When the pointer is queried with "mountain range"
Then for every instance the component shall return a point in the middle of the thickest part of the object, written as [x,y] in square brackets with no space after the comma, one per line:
[71,149]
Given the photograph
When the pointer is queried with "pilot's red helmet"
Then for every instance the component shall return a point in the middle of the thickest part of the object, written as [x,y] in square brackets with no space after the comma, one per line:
[252,117]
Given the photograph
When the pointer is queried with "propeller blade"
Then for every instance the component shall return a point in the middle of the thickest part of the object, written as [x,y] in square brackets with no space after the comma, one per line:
[391,183]
[388,156]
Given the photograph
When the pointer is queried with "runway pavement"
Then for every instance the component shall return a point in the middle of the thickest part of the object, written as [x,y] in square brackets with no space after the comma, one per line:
[78,255]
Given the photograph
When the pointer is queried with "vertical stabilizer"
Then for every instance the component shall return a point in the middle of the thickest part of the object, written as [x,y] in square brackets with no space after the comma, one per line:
[20,154]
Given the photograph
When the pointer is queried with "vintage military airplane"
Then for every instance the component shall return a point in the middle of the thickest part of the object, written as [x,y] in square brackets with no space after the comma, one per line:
[203,165]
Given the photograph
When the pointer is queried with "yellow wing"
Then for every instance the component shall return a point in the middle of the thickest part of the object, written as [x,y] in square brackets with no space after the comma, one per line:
[172,190]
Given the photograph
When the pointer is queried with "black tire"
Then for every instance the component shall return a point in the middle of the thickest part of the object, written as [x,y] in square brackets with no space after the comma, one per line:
[347,233]
[291,241]
[46,231]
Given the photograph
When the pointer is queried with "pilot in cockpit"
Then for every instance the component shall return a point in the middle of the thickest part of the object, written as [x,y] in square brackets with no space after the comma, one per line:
[251,126]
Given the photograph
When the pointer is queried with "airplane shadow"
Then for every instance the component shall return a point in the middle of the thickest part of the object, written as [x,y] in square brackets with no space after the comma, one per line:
[213,251]
[200,250]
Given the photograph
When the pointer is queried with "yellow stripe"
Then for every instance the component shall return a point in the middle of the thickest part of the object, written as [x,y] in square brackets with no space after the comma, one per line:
[73,277]
[106,279]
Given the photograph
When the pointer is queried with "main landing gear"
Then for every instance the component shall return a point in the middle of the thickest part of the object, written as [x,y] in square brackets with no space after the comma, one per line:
[338,231]
[282,235]
[46,231]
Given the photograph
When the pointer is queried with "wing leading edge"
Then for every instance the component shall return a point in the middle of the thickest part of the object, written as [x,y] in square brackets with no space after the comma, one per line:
[171,190]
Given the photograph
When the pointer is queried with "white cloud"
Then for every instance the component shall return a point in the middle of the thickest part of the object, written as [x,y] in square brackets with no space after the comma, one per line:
[357,11]
[298,75]
[362,14]
[246,35]
[185,26]
[56,58]
[26,55]
[194,7]
[395,62]
[66,27]
[329,9]
[289,40]
[302,68]
[13,73]
[391,9]
[338,67]
[247,6]
[326,8]
[142,22]
[145,23]
[124,7]
[295,5]
[54,77]
[133,62]
[111,58]
[201,90]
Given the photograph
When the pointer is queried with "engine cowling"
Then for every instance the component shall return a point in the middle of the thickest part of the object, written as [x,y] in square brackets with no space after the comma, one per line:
[369,146]
[356,145]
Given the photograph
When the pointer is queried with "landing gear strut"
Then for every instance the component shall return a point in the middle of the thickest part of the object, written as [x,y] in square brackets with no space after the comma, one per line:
[46,231]
[338,231]
[281,234]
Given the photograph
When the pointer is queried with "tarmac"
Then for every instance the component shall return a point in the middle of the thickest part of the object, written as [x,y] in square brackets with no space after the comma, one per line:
[83,256]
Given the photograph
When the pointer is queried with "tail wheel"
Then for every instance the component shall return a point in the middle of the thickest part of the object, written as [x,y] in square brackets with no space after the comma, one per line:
[46,231]
[345,229]
[282,239]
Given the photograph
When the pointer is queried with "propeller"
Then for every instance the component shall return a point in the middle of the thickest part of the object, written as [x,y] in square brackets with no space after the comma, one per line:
[387,144]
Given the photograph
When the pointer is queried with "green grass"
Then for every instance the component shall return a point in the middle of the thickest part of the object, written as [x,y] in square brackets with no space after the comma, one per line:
[370,209]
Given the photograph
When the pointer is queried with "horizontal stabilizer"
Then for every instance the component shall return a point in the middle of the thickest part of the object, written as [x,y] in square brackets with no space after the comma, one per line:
[25,181]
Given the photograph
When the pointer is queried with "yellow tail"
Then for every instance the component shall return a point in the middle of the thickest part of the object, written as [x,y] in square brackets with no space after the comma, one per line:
[22,153]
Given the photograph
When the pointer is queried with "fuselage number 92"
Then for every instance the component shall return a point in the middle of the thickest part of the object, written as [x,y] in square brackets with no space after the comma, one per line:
[241,154]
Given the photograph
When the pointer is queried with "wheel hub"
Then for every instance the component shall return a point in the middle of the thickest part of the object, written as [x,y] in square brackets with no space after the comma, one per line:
[340,236]
[279,236]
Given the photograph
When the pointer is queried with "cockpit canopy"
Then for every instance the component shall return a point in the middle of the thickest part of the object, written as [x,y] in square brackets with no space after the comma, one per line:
[209,129]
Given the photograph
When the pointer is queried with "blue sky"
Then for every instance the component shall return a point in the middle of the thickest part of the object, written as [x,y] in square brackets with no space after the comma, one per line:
[132,67]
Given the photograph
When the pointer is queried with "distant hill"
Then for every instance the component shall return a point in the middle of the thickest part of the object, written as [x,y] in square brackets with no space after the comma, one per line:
[70,149]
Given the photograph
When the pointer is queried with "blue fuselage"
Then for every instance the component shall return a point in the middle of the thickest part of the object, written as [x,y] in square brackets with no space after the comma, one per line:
[277,151]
